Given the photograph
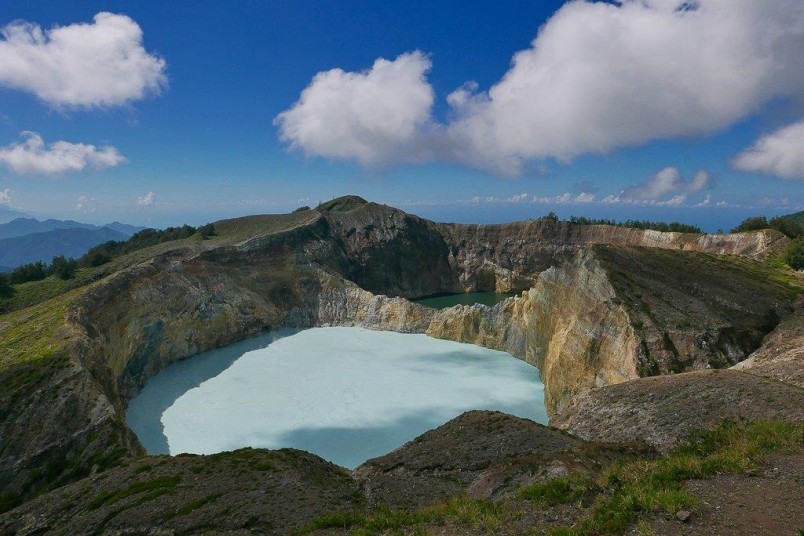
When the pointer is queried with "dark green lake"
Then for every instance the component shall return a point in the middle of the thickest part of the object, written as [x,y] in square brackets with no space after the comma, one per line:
[469,298]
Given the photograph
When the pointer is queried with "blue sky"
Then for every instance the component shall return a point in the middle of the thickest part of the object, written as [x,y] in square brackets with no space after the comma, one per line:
[632,110]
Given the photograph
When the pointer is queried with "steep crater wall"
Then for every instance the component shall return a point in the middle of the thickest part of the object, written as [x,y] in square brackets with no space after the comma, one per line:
[577,320]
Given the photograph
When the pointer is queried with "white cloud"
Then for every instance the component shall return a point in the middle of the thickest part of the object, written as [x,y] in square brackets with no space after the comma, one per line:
[5,197]
[519,198]
[779,153]
[666,181]
[85,204]
[86,65]
[675,201]
[598,76]
[560,199]
[601,76]
[376,117]
[34,156]
[566,199]
[147,200]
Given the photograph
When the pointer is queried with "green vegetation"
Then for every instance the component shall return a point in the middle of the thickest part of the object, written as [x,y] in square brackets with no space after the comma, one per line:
[64,268]
[625,491]
[559,490]
[791,225]
[304,208]
[61,266]
[794,255]
[477,513]
[6,290]
[154,488]
[143,239]
[342,204]
[550,216]
[192,506]
[30,334]
[206,231]
[34,271]
[675,227]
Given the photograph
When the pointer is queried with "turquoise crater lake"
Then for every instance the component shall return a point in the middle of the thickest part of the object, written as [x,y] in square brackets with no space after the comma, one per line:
[346,394]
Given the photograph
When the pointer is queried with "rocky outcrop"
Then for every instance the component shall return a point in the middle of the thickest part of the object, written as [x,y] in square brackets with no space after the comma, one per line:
[482,454]
[420,257]
[781,355]
[241,492]
[612,314]
[664,410]
[509,256]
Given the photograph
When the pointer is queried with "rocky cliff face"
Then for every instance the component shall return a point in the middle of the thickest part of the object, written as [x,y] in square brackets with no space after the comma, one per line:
[781,355]
[612,314]
[419,257]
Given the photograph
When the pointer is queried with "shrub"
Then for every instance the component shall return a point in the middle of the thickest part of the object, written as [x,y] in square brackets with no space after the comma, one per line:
[34,271]
[147,237]
[676,227]
[754,223]
[794,255]
[6,290]
[787,225]
[63,267]
[551,216]
[205,231]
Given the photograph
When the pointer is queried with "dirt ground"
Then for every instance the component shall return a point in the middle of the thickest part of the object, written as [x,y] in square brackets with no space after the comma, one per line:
[768,501]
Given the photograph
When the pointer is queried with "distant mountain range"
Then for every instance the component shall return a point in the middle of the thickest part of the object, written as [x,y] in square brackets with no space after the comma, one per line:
[25,226]
[25,240]
[8,213]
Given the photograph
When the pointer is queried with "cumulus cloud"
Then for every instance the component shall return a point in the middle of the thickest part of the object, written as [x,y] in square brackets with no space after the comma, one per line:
[5,197]
[667,181]
[601,75]
[376,117]
[33,156]
[675,201]
[85,65]
[667,188]
[147,200]
[598,76]
[779,153]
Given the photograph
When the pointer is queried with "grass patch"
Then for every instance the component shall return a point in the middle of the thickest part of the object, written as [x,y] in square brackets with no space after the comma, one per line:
[559,490]
[627,490]
[464,511]
[334,520]
[154,488]
[192,506]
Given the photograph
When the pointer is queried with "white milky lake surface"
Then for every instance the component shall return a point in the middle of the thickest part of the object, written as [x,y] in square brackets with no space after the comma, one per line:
[346,394]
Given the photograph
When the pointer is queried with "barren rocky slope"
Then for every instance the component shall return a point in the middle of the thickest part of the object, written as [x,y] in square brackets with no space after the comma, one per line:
[600,306]
[663,410]
[782,353]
